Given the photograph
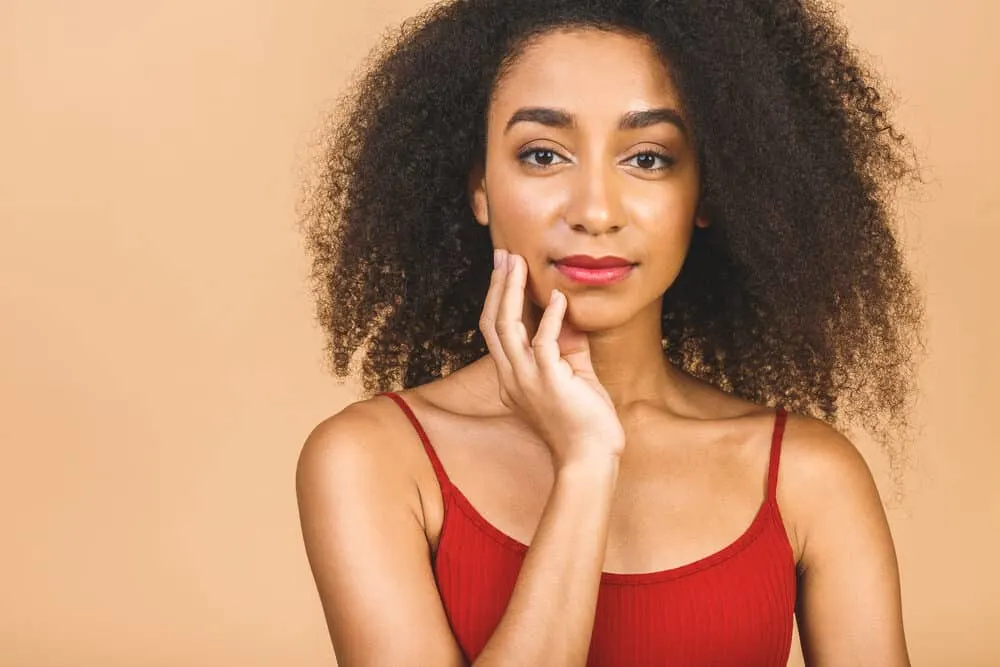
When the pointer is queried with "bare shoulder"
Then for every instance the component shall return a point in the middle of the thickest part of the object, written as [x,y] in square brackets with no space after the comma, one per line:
[359,423]
[848,604]
[823,480]
[360,442]
[816,456]
[349,437]
[351,463]
[362,525]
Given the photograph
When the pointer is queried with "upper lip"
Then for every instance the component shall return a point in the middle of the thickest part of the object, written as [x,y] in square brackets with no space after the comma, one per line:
[588,262]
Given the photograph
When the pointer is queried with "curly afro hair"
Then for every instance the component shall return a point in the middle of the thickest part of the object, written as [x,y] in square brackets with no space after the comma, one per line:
[796,294]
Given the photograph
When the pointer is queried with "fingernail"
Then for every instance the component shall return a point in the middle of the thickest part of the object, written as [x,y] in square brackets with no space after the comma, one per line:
[496,258]
[510,261]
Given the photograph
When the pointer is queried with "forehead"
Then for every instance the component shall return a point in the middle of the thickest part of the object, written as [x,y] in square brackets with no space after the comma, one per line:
[587,70]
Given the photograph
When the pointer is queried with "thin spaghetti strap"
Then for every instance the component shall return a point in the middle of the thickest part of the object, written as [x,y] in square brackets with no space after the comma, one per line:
[442,477]
[780,417]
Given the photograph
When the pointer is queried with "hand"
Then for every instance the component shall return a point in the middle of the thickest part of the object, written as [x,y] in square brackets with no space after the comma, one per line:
[550,381]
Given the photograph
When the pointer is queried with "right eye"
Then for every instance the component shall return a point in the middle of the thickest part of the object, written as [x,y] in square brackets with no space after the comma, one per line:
[540,157]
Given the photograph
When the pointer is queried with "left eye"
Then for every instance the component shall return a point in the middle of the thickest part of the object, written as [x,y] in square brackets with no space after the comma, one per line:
[650,161]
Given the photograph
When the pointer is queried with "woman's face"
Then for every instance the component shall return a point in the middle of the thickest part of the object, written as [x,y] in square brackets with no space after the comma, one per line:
[588,154]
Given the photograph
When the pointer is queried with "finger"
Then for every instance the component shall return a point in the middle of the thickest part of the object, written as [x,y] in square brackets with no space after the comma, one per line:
[545,344]
[510,326]
[488,322]
[574,347]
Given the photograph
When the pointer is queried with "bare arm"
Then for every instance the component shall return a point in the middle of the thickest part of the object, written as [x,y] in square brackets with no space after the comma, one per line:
[849,609]
[362,527]
[363,531]
[550,616]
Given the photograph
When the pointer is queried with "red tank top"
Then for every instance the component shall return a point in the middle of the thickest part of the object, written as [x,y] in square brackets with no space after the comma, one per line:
[731,608]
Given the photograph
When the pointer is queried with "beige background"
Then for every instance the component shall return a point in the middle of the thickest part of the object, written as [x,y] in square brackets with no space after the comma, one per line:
[159,368]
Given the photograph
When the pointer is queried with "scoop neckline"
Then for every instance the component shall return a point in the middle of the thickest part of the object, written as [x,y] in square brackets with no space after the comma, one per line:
[451,494]
[741,542]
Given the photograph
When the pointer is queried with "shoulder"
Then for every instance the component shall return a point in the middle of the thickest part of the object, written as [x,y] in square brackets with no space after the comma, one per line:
[824,481]
[365,539]
[848,594]
[353,432]
[818,457]
[357,452]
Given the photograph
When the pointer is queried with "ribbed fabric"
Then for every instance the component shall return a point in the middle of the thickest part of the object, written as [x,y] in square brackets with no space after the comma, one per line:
[732,608]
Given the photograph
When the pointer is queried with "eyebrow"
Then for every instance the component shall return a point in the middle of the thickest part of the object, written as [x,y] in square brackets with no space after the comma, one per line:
[633,120]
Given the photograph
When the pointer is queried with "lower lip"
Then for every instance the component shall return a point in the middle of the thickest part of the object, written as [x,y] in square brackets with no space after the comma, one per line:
[606,276]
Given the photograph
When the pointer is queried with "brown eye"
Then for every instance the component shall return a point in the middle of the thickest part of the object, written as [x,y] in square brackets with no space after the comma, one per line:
[646,161]
[651,161]
[544,157]
[540,157]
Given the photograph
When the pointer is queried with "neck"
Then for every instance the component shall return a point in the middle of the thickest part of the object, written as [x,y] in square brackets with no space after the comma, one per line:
[631,365]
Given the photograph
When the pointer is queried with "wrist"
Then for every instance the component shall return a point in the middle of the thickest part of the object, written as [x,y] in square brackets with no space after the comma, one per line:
[593,468]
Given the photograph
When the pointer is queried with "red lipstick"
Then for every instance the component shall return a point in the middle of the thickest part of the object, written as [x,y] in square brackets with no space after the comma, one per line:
[596,271]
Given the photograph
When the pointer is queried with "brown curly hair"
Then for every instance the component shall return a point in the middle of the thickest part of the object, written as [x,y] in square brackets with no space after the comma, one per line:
[797,293]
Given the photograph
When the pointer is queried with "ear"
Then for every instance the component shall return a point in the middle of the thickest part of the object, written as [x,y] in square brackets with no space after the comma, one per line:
[700,216]
[477,194]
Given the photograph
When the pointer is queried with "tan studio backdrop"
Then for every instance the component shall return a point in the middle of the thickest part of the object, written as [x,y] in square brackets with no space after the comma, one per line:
[160,368]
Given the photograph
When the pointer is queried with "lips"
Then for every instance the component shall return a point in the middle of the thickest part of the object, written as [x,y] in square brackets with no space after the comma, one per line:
[594,271]
[588,262]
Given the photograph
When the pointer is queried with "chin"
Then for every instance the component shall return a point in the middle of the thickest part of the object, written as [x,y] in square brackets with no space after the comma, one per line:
[597,315]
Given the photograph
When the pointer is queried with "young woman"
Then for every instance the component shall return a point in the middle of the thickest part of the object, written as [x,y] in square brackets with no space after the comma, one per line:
[612,268]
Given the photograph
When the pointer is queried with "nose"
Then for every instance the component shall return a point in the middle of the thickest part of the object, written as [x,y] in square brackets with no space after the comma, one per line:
[595,205]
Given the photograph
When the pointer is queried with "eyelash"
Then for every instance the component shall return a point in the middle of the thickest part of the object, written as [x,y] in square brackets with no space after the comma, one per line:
[523,157]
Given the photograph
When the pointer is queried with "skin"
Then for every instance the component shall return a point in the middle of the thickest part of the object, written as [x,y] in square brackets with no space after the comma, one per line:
[604,191]
[692,473]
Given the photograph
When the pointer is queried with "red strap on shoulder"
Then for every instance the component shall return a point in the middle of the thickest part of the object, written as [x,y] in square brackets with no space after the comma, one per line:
[442,476]
[780,417]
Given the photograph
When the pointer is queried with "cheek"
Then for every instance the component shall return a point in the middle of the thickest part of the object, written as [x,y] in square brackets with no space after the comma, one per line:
[666,218]
[523,206]
[671,249]
[669,204]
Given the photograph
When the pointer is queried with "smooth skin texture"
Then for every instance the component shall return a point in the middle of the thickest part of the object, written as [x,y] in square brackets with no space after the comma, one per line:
[691,474]
[545,376]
